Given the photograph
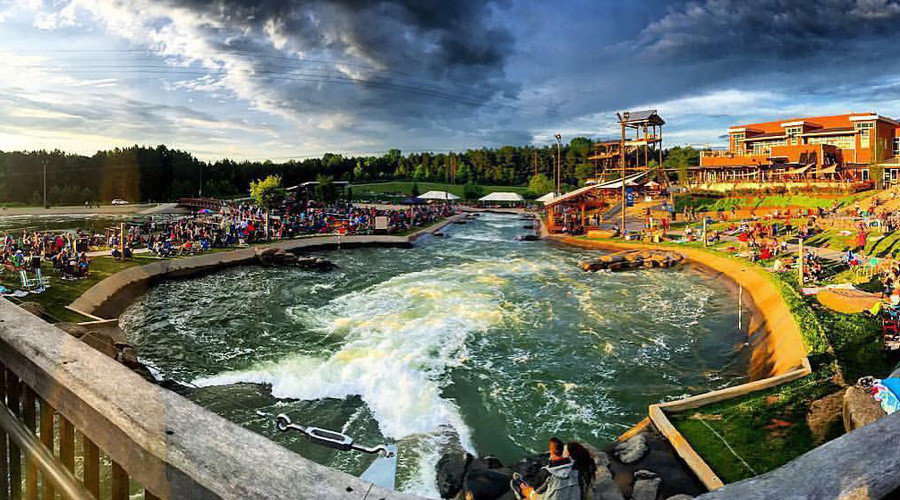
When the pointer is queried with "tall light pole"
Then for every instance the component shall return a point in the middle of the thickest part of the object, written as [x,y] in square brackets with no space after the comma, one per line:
[558,163]
[622,119]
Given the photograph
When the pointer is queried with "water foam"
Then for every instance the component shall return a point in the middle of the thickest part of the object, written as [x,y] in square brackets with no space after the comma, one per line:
[400,338]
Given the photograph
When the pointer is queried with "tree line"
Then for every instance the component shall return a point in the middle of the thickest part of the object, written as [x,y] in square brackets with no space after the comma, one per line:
[155,174]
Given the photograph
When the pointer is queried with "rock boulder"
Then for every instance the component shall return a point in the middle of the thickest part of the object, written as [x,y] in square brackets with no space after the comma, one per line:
[860,409]
[631,450]
[633,259]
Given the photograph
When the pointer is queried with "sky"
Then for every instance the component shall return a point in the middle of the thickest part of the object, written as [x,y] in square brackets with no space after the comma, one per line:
[282,79]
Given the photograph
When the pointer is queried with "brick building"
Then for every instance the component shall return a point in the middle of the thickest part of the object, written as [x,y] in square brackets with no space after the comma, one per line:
[822,148]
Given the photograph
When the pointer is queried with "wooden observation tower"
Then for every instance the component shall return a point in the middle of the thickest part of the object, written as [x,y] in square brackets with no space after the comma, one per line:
[641,141]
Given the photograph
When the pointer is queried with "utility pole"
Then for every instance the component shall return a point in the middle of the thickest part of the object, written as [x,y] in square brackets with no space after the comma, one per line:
[200,193]
[44,163]
[558,163]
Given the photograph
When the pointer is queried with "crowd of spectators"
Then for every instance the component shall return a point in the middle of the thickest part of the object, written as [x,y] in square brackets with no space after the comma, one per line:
[65,250]
[231,226]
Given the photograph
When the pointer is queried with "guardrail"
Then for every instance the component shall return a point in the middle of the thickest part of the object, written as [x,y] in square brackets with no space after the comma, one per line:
[81,425]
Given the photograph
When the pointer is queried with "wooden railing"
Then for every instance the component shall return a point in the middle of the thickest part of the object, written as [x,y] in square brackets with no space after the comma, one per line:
[77,424]
[43,443]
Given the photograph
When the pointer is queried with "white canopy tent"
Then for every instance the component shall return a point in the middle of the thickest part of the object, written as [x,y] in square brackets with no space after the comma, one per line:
[438,195]
[502,196]
[547,197]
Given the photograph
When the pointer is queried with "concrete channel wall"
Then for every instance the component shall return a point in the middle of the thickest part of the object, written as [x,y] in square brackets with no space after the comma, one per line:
[110,297]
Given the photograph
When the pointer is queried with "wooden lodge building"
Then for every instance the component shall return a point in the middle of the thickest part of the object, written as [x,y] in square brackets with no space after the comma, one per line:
[822,148]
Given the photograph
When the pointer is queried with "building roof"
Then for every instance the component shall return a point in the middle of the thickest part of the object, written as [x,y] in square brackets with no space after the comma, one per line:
[825,122]
[647,116]
[547,197]
[629,181]
[777,135]
[438,195]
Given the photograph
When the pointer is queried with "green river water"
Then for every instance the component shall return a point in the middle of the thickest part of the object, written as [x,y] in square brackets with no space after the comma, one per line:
[475,341]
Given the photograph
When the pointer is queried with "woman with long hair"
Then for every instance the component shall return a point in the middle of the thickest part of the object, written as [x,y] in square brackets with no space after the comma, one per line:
[583,462]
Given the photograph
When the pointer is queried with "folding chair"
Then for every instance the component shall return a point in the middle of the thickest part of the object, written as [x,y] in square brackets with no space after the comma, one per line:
[40,280]
[27,283]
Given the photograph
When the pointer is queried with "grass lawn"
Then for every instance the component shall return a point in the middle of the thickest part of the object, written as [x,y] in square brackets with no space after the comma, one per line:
[764,430]
[405,188]
[62,292]
[803,201]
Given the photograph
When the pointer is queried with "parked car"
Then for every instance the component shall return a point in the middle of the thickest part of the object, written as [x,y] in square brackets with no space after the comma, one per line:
[118,201]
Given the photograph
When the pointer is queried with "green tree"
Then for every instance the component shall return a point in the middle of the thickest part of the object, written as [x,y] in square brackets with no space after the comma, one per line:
[267,193]
[540,185]
[679,159]
[472,191]
[421,173]
[326,190]
[584,171]
[415,190]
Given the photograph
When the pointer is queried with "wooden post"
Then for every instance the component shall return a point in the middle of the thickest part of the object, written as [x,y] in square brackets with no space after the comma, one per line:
[30,416]
[4,469]
[704,231]
[122,241]
[660,147]
[46,426]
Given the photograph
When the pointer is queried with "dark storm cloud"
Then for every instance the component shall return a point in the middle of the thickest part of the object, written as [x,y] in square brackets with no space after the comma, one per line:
[438,41]
[801,50]
[783,30]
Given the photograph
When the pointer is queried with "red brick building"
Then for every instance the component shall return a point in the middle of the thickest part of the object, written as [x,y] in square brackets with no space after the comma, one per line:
[841,147]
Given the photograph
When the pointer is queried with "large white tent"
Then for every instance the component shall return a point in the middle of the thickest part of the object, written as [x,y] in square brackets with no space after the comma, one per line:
[502,196]
[438,195]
